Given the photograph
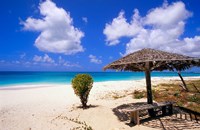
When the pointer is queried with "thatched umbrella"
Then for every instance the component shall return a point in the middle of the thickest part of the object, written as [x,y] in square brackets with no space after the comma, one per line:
[148,60]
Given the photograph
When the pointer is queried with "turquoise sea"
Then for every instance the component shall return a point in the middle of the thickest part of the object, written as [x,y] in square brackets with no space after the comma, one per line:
[15,78]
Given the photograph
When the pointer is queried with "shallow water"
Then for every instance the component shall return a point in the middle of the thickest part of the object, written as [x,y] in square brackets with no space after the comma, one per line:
[14,78]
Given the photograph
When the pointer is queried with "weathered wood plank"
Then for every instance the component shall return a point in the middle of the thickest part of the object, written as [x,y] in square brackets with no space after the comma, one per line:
[134,110]
[135,117]
[147,106]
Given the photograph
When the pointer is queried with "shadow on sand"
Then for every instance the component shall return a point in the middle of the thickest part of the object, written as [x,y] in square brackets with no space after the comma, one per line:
[124,116]
[88,106]
[172,122]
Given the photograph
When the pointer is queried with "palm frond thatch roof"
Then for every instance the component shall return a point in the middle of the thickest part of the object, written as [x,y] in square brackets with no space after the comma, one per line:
[159,60]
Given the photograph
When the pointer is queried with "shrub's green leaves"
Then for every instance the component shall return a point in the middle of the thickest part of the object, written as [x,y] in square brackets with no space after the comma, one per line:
[82,84]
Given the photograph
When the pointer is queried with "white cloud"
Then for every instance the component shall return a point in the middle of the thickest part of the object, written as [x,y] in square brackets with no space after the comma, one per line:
[68,64]
[121,28]
[58,35]
[161,28]
[15,62]
[48,59]
[22,55]
[121,54]
[37,58]
[85,19]
[192,46]
[63,62]
[94,59]
[44,59]
[167,15]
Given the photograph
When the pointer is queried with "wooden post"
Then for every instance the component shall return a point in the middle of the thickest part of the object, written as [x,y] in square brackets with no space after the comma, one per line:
[148,87]
[184,84]
[171,109]
[196,118]
[135,117]
[191,116]
[148,83]
[164,110]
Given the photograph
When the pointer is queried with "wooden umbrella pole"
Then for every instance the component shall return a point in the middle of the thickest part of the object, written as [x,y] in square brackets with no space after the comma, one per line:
[148,83]
[148,86]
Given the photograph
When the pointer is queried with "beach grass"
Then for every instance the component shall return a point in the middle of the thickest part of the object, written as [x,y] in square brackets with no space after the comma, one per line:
[173,92]
[138,94]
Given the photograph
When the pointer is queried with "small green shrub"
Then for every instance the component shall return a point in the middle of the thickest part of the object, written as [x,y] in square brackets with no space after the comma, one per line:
[82,84]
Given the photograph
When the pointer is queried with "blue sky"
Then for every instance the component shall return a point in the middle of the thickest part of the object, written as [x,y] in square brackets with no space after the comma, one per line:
[65,35]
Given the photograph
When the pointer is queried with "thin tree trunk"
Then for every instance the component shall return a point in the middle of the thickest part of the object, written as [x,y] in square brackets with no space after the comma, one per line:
[184,84]
[84,101]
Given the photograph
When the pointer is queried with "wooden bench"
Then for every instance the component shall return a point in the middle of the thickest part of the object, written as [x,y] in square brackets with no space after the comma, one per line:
[166,108]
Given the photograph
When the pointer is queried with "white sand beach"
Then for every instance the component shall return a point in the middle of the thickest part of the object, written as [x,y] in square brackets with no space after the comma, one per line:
[53,107]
